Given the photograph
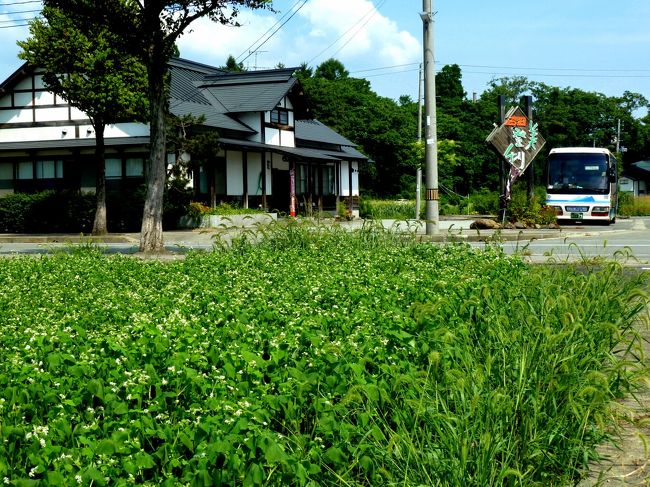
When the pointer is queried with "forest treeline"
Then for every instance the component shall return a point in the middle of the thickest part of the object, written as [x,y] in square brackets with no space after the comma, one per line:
[386,129]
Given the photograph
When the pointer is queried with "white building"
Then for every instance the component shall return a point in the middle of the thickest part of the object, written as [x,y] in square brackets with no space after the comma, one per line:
[272,153]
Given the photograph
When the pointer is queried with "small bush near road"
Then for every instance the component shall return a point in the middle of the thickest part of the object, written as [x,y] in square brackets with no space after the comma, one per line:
[630,205]
[309,358]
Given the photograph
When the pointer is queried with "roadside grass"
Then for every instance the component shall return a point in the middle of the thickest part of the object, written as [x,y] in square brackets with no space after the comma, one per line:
[309,356]
[634,205]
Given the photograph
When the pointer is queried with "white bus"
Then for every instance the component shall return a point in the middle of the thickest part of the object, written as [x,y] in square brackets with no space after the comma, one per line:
[582,184]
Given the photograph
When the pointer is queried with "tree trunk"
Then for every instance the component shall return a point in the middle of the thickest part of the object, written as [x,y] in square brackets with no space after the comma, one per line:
[151,234]
[99,225]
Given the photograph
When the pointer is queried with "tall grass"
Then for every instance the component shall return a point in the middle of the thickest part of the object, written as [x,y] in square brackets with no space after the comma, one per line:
[517,383]
[634,205]
[387,209]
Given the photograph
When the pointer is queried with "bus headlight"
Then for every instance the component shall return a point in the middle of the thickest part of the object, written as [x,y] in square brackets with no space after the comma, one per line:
[557,209]
[600,211]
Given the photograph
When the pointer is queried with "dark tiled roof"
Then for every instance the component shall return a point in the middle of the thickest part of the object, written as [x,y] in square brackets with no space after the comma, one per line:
[315,131]
[250,97]
[213,117]
[297,152]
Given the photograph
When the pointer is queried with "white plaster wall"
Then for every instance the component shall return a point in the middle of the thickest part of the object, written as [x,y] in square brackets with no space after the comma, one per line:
[234,179]
[355,178]
[254,170]
[278,163]
[23,99]
[44,98]
[127,130]
[76,114]
[68,132]
[287,138]
[16,116]
[344,178]
[51,114]
[272,136]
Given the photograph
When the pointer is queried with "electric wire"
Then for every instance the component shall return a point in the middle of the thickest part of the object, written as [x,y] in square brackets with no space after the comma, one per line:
[369,13]
[269,29]
[275,31]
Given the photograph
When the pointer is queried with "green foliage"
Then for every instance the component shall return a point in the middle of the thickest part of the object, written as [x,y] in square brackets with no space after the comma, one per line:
[387,209]
[233,66]
[529,211]
[343,212]
[197,210]
[630,205]
[312,358]
[73,211]
[46,212]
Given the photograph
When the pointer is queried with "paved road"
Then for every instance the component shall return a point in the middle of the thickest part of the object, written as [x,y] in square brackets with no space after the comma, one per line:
[627,240]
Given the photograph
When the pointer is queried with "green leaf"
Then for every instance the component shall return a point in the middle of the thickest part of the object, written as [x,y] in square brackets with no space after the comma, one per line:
[93,475]
[144,461]
[106,447]
[96,388]
[254,475]
[55,478]
[273,453]
[335,455]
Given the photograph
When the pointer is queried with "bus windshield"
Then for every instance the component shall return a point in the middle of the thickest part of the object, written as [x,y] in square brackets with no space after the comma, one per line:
[575,173]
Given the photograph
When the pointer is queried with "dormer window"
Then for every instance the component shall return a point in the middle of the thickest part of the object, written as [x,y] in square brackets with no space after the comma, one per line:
[280,116]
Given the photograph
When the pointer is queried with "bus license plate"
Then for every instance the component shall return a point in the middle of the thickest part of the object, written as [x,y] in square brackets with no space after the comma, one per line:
[576,216]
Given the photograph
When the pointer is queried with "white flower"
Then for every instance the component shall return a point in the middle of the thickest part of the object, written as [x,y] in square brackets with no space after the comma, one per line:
[78,479]
[42,442]
[33,471]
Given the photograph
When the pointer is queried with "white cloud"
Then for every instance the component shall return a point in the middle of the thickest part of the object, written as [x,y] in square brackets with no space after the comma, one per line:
[353,31]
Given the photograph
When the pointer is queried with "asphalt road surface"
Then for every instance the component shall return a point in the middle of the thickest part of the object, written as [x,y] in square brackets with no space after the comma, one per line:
[628,241]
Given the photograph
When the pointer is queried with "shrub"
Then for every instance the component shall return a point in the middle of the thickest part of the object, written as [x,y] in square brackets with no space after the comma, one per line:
[47,212]
[529,211]
[630,205]
[74,211]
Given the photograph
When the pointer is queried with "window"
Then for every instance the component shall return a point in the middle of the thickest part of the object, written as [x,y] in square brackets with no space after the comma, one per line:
[49,169]
[6,171]
[280,116]
[113,168]
[26,170]
[134,168]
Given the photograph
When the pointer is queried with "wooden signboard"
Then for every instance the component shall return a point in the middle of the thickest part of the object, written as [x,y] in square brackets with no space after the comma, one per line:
[517,140]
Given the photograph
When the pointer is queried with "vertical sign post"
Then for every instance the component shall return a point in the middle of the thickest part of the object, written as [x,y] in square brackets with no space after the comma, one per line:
[292,190]
[518,141]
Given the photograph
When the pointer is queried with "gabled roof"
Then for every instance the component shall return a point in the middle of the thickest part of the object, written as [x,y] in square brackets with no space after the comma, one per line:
[249,91]
[15,77]
[315,131]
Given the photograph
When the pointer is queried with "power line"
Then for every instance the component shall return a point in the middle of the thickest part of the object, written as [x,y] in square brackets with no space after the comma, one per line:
[11,4]
[272,33]
[359,28]
[20,12]
[370,13]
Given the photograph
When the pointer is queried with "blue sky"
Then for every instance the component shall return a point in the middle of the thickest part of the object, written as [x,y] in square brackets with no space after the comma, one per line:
[595,45]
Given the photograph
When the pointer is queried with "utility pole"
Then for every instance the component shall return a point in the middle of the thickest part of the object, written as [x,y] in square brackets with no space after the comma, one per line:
[418,173]
[618,136]
[431,148]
